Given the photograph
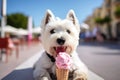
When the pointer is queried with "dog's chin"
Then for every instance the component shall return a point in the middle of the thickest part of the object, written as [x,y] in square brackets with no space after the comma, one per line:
[57,49]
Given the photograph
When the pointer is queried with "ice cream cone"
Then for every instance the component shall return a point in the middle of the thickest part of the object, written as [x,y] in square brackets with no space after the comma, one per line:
[63,65]
[62,74]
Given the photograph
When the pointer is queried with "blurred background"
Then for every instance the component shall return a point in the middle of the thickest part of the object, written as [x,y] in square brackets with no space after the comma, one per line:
[107,17]
[103,13]
[99,48]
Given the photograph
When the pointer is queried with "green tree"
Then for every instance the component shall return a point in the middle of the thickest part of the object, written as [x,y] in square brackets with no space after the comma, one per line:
[17,20]
[99,20]
[117,12]
[106,19]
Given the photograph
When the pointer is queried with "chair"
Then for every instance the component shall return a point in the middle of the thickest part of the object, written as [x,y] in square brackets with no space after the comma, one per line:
[4,44]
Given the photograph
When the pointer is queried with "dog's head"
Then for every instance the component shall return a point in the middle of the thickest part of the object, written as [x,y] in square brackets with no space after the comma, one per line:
[60,35]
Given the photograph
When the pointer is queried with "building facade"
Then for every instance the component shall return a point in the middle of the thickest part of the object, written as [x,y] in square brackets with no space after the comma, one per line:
[111,26]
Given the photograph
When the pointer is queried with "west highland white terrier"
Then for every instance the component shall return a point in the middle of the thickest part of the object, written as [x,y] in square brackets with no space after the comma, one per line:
[59,36]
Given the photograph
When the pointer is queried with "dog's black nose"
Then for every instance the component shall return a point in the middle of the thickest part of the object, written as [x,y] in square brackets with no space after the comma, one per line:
[61,41]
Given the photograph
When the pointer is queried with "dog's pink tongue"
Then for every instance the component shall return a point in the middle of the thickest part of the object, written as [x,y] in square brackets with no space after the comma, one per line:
[60,49]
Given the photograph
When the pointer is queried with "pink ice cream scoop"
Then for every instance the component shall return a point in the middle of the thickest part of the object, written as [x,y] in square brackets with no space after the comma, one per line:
[63,60]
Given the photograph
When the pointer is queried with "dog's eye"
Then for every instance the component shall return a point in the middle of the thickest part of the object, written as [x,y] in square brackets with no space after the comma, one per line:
[52,31]
[68,31]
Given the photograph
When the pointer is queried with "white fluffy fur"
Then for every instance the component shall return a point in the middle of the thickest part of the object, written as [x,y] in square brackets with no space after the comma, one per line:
[44,66]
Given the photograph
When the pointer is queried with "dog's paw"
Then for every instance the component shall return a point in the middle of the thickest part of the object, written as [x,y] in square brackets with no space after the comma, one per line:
[79,76]
[44,78]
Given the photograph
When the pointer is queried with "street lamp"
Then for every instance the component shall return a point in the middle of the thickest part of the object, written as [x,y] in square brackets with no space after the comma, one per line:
[29,29]
[3,19]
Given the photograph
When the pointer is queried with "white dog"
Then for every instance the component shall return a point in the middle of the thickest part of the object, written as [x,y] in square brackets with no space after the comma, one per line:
[59,36]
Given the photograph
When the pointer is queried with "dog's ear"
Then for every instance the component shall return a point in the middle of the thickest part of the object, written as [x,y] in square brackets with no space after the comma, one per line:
[48,17]
[71,16]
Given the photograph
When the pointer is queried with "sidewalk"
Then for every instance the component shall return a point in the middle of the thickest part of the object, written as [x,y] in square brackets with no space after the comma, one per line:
[21,69]
[25,70]
[101,58]
[25,53]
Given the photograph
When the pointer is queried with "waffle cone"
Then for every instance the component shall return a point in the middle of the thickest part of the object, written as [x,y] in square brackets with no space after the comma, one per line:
[62,74]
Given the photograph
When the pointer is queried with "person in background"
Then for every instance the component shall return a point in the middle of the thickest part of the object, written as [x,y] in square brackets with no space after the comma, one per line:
[95,31]
[88,36]
[97,34]
[11,45]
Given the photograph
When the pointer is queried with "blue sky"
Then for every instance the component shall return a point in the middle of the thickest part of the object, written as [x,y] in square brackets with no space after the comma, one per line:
[36,8]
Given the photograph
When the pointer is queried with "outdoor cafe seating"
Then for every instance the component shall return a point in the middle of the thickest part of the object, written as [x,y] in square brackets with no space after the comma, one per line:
[5,47]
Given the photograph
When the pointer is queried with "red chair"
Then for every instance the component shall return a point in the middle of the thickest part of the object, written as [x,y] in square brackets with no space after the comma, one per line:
[4,44]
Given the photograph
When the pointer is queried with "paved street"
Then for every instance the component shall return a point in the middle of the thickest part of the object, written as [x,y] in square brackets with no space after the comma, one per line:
[25,53]
[102,58]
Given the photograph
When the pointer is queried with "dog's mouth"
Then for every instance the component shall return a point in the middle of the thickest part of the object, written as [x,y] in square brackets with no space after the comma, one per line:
[60,49]
[56,50]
